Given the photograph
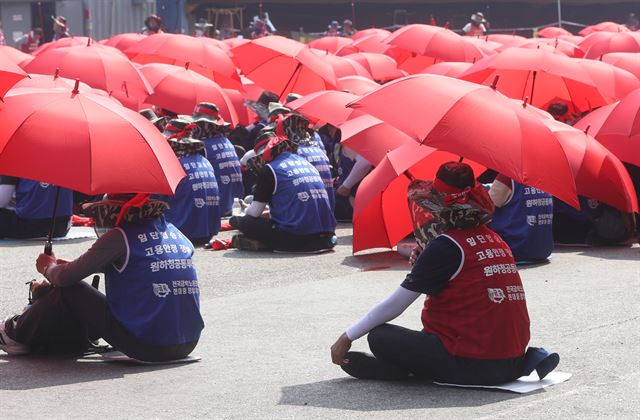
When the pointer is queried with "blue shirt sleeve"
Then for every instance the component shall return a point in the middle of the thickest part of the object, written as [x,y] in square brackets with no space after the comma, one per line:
[435,266]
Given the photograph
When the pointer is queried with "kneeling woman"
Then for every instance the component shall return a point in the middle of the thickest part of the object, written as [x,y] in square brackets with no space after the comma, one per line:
[475,320]
[151,311]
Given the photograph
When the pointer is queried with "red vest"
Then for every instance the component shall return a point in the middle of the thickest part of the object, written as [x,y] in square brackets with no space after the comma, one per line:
[482,313]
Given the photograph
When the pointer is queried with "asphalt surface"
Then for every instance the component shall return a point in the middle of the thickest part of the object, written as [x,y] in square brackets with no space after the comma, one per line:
[271,318]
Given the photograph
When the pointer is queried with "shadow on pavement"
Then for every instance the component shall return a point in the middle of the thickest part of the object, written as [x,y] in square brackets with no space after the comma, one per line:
[357,395]
[388,260]
[33,372]
[621,253]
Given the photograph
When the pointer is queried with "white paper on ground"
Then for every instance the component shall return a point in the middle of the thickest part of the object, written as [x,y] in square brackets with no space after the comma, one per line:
[116,356]
[522,385]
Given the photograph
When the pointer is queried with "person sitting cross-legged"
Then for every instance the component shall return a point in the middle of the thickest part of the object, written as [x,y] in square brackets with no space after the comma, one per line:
[475,319]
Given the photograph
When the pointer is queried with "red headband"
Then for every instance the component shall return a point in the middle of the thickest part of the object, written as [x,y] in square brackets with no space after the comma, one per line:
[203,110]
[452,195]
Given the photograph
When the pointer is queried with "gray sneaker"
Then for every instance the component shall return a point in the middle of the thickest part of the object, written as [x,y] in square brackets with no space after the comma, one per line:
[9,345]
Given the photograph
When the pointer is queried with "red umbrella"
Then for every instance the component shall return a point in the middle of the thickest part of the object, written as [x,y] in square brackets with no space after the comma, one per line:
[235,42]
[356,85]
[553,32]
[451,69]
[13,54]
[620,131]
[343,66]
[84,142]
[603,27]
[592,122]
[245,115]
[179,89]
[71,41]
[370,31]
[330,44]
[371,138]
[329,106]
[557,46]
[462,118]
[99,67]
[283,65]
[123,41]
[544,77]
[435,43]
[626,61]
[380,66]
[504,38]
[574,39]
[370,43]
[381,215]
[45,81]
[598,173]
[205,57]
[615,83]
[600,43]
[10,74]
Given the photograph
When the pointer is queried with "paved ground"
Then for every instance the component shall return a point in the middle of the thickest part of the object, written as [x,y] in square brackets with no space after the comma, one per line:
[270,320]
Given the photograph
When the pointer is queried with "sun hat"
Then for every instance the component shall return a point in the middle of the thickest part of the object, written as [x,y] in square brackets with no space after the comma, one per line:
[208,112]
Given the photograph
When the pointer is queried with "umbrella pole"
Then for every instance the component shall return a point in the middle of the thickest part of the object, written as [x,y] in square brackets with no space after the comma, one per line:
[290,79]
[48,245]
[533,85]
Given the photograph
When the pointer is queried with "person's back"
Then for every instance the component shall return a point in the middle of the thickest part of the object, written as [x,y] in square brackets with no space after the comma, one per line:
[195,206]
[524,221]
[300,204]
[155,293]
[226,164]
[316,156]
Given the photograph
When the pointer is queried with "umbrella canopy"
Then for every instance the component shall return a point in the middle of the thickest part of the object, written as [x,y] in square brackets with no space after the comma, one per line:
[592,122]
[328,106]
[99,67]
[123,41]
[235,42]
[237,98]
[553,32]
[13,54]
[462,119]
[10,74]
[603,27]
[504,38]
[626,61]
[600,43]
[283,65]
[371,138]
[598,173]
[205,57]
[556,45]
[64,42]
[45,81]
[343,66]
[370,43]
[380,66]
[356,85]
[544,77]
[330,44]
[381,216]
[451,69]
[620,131]
[84,142]
[179,89]
[370,31]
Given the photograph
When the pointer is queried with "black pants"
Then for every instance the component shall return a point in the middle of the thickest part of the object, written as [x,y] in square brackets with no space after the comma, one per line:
[12,226]
[88,308]
[265,231]
[343,209]
[424,355]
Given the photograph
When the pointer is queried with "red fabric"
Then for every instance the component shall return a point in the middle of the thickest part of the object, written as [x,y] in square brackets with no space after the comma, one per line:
[82,221]
[482,313]
[225,226]
[10,74]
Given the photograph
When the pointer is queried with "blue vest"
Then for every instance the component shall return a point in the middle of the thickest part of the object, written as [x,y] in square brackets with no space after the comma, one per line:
[316,156]
[300,205]
[222,155]
[195,207]
[155,296]
[525,223]
[34,200]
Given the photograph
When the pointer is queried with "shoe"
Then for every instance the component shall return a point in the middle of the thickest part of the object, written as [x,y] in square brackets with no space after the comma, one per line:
[241,242]
[366,366]
[9,345]
[541,360]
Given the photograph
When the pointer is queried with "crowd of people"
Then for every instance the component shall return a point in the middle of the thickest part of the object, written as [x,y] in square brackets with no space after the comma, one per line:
[283,184]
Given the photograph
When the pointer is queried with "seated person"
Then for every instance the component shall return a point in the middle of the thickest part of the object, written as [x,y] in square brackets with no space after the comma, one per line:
[475,320]
[352,168]
[300,218]
[221,153]
[26,208]
[523,218]
[595,224]
[159,122]
[195,207]
[151,311]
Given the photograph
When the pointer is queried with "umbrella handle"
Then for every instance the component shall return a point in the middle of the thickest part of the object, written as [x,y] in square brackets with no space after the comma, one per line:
[48,247]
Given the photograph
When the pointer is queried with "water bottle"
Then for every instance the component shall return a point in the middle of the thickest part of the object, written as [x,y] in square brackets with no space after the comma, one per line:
[236,209]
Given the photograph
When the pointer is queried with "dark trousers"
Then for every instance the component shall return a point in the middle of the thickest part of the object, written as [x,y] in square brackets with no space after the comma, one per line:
[424,355]
[89,311]
[265,231]
[12,226]
[343,209]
